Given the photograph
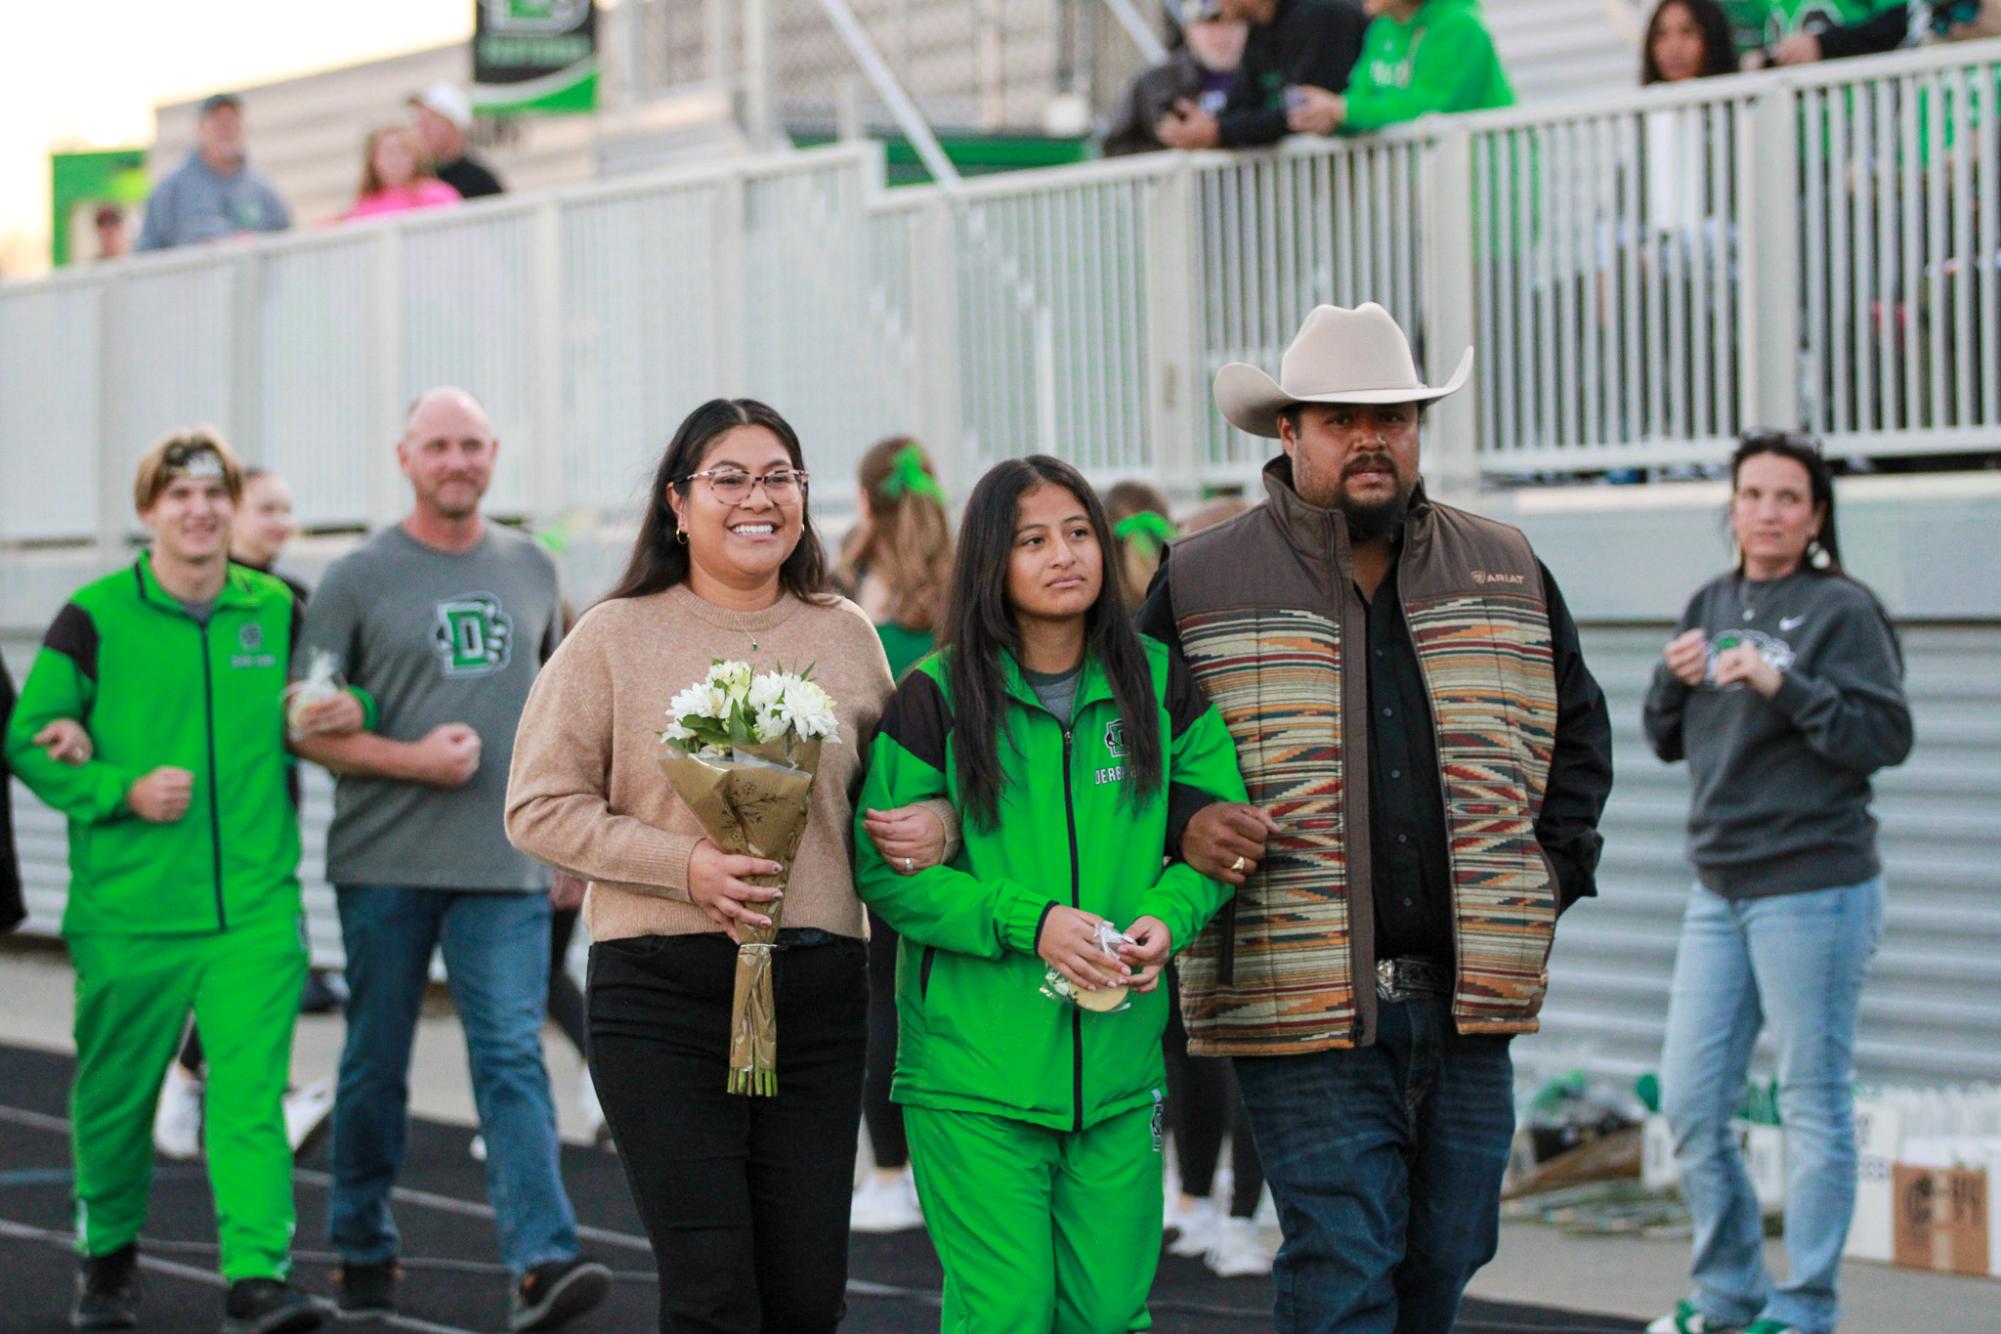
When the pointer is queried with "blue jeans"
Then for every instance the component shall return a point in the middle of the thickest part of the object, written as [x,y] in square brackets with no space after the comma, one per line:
[1386,1164]
[496,949]
[1797,962]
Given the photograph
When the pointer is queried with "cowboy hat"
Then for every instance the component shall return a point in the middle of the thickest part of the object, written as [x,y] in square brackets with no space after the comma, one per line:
[1340,356]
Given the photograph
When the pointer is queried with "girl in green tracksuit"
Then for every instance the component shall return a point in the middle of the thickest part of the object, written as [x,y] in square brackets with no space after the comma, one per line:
[1058,731]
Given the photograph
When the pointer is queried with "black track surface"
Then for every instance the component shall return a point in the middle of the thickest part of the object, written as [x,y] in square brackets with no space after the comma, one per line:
[454,1283]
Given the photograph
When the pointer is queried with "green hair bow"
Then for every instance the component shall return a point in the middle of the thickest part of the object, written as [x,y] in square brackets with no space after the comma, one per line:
[909,477]
[1147,530]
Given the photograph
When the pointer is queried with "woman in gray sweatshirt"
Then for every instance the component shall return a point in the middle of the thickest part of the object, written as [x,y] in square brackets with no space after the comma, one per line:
[1783,691]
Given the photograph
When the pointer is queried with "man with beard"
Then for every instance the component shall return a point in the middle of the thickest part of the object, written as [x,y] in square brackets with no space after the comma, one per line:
[442,622]
[1428,757]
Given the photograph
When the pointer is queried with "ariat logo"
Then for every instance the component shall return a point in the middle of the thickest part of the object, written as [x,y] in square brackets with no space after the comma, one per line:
[1485,577]
[473,637]
[1115,737]
[1159,1120]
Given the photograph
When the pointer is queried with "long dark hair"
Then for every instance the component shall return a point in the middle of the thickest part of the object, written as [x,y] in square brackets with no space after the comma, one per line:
[659,560]
[1719,44]
[980,623]
[1823,553]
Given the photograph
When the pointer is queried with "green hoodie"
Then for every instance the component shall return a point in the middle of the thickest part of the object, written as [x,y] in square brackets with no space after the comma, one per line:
[1441,60]
[977,1033]
[154,687]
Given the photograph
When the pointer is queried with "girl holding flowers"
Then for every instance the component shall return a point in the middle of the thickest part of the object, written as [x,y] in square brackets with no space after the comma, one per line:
[744,1198]
[1029,1067]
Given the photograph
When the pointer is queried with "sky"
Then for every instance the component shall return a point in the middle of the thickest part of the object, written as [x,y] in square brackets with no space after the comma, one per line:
[87,74]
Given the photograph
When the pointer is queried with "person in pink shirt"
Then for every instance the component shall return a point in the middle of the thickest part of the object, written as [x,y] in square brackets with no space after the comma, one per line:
[396,176]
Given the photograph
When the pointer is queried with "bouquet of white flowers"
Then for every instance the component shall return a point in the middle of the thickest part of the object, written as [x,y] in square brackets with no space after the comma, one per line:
[742,750]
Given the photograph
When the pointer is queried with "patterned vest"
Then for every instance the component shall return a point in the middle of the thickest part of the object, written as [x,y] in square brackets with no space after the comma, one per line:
[1279,974]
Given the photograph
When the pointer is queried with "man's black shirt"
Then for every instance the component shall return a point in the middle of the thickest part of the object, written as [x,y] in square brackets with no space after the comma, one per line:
[1309,42]
[469,178]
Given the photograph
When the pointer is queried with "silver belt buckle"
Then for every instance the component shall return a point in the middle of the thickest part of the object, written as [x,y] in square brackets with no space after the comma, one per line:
[1406,979]
[1387,987]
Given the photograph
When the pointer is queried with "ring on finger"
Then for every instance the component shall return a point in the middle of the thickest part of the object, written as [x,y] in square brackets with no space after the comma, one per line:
[908,866]
[1238,864]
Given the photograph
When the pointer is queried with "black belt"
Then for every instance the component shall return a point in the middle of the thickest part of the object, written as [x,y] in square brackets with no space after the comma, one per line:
[1405,979]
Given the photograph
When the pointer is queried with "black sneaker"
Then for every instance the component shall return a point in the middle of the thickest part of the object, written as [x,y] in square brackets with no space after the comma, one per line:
[268,1306]
[367,1292]
[107,1291]
[550,1294]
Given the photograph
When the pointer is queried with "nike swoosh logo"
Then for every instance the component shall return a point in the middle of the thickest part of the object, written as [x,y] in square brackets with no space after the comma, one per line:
[1791,622]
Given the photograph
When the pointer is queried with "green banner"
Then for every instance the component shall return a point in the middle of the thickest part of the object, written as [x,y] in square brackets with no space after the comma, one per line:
[80,182]
[534,57]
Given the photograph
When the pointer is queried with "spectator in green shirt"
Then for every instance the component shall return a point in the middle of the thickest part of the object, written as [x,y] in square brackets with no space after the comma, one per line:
[1800,32]
[1418,57]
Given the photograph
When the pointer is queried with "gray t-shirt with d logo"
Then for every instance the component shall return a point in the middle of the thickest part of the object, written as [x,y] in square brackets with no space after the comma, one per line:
[436,637]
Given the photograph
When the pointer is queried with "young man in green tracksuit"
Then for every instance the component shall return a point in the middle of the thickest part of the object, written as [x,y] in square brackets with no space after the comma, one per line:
[1419,58]
[184,891]
[1062,736]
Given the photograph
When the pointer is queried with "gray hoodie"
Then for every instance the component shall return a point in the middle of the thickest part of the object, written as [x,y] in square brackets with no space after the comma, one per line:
[1782,784]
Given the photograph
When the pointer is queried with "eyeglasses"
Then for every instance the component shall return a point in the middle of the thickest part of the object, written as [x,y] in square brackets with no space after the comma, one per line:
[732,486]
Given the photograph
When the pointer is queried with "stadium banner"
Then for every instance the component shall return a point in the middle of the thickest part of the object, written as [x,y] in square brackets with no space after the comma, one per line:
[534,57]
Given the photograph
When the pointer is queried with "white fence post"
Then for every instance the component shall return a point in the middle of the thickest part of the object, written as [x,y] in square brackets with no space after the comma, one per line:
[1173,364]
[1451,318]
[114,481]
[934,299]
[385,481]
[728,322]
[1769,315]
[245,428]
[550,501]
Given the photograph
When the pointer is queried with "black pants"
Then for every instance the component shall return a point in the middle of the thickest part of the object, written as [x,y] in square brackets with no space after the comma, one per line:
[744,1199]
[566,1003]
[885,1118]
[1202,1100]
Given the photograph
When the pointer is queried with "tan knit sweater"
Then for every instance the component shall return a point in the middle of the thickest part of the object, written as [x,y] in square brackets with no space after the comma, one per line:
[586,793]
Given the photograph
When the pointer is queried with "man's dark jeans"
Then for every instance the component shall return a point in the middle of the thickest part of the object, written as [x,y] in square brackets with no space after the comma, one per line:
[1386,1165]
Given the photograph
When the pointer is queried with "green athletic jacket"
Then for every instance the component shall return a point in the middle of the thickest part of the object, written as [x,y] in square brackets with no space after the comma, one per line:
[153,687]
[977,1033]
[1442,60]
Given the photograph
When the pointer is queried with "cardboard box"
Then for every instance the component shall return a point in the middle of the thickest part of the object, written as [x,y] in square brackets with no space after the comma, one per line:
[1942,1218]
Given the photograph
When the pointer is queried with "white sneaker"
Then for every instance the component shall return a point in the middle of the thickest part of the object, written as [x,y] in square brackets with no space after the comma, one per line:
[885,1204]
[306,1110]
[177,1123]
[587,1098]
[1239,1252]
[1685,1319]
[1197,1225]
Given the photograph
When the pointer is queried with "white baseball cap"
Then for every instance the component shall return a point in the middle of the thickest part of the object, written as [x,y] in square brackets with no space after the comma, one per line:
[448,100]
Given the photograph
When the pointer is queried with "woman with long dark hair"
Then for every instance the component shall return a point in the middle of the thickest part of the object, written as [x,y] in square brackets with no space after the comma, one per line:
[1687,39]
[897,564]
[1030,1079]
[1782,688]
[744,1199]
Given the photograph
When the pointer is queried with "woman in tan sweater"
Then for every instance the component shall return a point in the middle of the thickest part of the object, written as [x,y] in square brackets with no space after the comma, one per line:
[745,1199]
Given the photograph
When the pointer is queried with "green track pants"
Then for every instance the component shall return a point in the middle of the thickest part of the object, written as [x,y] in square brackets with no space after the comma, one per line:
[1040,1230]
[133,994]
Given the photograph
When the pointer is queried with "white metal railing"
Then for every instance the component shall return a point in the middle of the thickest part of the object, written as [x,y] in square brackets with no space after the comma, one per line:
[1643,277]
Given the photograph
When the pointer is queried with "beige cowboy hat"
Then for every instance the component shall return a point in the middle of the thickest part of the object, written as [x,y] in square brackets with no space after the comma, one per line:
[1340,356]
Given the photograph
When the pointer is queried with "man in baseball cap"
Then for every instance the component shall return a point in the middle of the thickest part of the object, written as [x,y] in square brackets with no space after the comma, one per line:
[216,193]
[444,117]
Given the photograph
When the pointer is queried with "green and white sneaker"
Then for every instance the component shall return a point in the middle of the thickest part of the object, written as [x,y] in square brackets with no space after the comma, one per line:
[1685,1319]
[1772,1327]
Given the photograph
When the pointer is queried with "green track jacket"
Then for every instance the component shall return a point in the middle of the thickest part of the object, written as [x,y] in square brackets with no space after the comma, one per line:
[1441,60]
[154,687]
[977,1033]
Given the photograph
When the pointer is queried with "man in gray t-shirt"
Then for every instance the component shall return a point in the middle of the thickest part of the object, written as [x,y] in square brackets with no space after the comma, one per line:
[439,641]
[442,622]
